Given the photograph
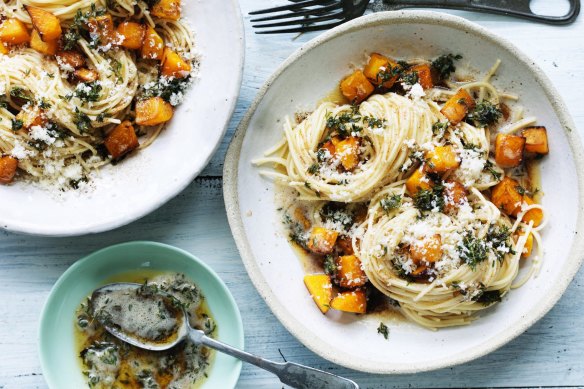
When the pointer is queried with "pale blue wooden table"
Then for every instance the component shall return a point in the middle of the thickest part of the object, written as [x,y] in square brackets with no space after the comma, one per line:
[550,354]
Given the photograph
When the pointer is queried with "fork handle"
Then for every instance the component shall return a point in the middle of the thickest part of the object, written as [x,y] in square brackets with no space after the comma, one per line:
[292,374]
[518,8]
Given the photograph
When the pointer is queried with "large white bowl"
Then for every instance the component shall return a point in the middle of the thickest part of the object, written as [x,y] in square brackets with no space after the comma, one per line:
[144,182]
[309,75]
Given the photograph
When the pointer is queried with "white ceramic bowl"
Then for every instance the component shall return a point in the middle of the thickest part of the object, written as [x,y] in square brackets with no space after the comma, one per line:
[308,76]
[144,182]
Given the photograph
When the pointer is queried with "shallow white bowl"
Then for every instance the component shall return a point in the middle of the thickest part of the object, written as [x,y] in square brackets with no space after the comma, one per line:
[151,177]
[308,76]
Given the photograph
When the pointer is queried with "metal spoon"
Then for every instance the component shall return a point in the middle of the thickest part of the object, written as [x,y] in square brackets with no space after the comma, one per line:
[289,373]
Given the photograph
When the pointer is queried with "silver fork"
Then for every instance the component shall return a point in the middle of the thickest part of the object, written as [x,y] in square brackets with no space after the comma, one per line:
[315,15]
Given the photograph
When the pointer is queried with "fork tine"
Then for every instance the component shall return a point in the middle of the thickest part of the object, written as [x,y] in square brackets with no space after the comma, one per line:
[310,12]
[302,29]
[303,21]
[291,7]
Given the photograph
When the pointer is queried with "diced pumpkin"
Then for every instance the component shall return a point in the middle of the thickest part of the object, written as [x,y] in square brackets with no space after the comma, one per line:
[507,197]
[103,27]
[454,196]
[528,248]
[456,108]
[14,32]
[166,9]
[8,166]
[379,70]
[153,111]
[349,272]
[424,72]
[322,240]
[3,48]
[70,59]
[173,65]
[345,245]
[47,24]
[441,159]
[348,151]
[153,47]
[86,75]
[328,147]
[418,181]
[427,250]
[320,288]
[356,87]
[131,35]
[536,140]
[31,116]
[46,47]
[420,269]
[354,301]
[121,140]
[534,215]
[509,150]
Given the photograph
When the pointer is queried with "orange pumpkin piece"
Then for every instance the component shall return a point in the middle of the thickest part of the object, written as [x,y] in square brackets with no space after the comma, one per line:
[173,65]
[507,197]
[418,181]
[132,35]
[349,272]
[536,140]
[356,87]
[534,215]
[420,269]
[103,27]
[528,248]
[456,108]
[328,147]
[441,159]
[167,9]
[345,245]
[153,111]
[322,240]
[44,47]
[86,75]
[427,250]
[509,150]
[31,116]
[379,70]
[354,301]
[3,48]
[454,196]
[320,288]
[47,24]
[8,166]
[121,140]
[424,72]
[348,151]
[14,32]
[71,59]
[153,47]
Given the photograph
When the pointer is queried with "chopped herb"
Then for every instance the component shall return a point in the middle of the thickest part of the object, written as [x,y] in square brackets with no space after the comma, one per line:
[390,203]
[19,93]
[410,78]
[100,118]
[491,169]
[17,124]
[498,237]
[330,265]
[485,113]
[88,92]
[430,199]
[82,121]
[439,128]
[165,88]
[445,64]
[388,74]
[374,122]
[345,123]
[521,190]
[488,297]
[472,250]
[43,104]
[313,169]
[383,330]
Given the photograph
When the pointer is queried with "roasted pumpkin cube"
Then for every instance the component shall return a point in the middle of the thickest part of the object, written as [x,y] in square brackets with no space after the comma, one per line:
[354,301]
[426,250]
[121,140]
[528,248]
[173,65]
[8,166]
[424,72]
[70,60]
[381,70]
[454,196]
[3,48]
[31,116]
[349,272]
[86,75]
[456,108]
[328,148]
[166,9]
[418,181]
[345,245]
[47,24]
[103,27]
[505,195]
[536,140]
[320,288]
[14,32]
[131,35]
[322,240]
[534,215]
[46,47]
[509,150]
[356,87]
[348,151]
[153,47]
[441,159]
[153,111]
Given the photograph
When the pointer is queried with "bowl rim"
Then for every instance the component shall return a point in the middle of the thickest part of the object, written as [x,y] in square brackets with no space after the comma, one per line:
[96,255]
[292,324]
[60,230]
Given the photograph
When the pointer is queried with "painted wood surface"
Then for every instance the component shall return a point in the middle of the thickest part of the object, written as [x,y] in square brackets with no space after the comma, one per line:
[550,354]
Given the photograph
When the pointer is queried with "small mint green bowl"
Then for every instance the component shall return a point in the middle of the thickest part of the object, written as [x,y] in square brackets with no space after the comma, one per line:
[60,364]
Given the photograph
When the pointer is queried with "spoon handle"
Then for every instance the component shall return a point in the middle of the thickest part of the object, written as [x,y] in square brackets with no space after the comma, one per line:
[289,373]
